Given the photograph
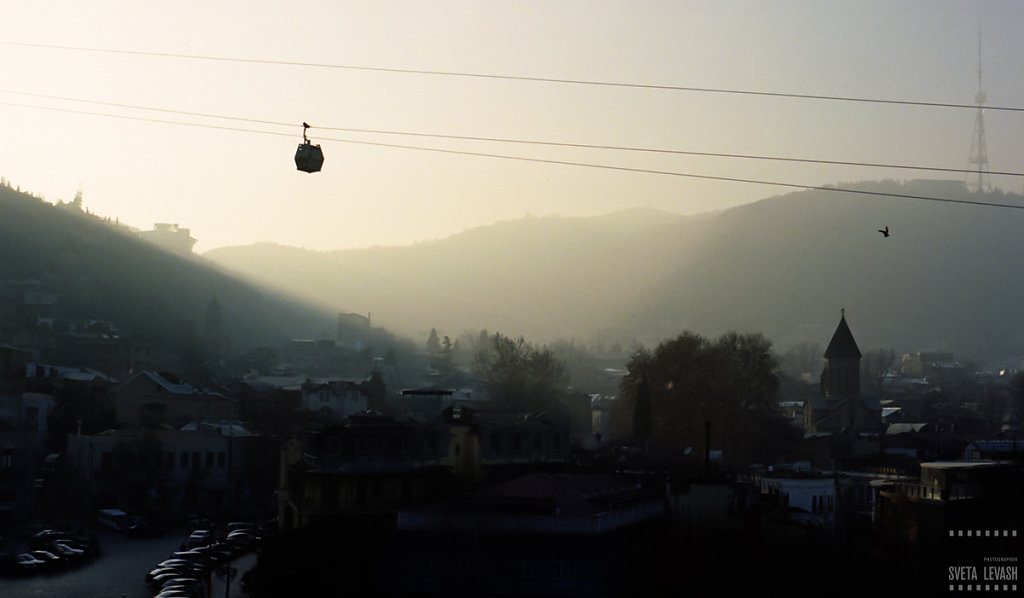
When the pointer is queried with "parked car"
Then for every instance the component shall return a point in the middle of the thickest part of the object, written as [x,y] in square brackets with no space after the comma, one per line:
[199,537]
[161,573]
[51,561]
[66,550]
[242,541]
[114,519]
[22,564]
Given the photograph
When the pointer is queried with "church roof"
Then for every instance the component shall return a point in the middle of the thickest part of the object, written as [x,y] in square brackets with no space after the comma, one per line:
[842,345]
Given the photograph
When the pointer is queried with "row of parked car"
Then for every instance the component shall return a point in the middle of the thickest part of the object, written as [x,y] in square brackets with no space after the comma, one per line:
[186,573]
[50,550]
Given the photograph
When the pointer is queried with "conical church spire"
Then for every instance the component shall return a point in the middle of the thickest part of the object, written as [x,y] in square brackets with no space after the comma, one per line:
[841,376]
[842,345]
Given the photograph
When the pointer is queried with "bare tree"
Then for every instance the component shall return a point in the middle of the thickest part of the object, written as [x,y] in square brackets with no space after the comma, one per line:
[874,365]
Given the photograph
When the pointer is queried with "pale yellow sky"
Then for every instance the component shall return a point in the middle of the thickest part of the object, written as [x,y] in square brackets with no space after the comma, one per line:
[239,187]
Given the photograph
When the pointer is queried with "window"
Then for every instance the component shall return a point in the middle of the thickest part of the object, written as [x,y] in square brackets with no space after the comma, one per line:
[184,459]
[221,460]
[209,459]
[195,459]
[169,460]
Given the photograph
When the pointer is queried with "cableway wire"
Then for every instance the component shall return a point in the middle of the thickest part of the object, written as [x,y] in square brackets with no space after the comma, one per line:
[593,83]
[545,160]
[495,139]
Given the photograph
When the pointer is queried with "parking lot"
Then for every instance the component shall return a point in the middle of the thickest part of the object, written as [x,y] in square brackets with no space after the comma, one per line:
[118,572]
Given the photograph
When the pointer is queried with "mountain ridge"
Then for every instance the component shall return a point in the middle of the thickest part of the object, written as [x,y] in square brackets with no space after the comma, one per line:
[100,269]
[784,266]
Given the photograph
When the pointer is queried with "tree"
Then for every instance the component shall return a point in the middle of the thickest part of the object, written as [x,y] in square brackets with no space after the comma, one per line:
[803,358]
[77,408]
[519,376]
[583,370]
[874,365]
[433,343]
[731,383]
[642,411]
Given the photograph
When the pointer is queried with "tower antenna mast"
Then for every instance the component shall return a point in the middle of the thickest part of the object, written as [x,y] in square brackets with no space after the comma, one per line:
[978,161]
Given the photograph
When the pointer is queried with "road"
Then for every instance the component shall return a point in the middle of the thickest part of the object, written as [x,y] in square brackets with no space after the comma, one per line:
[118,573]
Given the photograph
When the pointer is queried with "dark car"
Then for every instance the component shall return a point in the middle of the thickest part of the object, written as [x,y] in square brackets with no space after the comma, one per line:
[162,573]
[68,551]
[181,581]
[21,564]
[51,561]
[48,540]
[199,537]
[205,558]
[242,541]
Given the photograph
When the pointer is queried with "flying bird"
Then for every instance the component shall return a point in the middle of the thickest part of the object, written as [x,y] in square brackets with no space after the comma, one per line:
[884,231]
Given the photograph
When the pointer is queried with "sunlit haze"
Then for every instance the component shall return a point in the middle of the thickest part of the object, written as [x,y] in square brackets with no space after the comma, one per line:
[238,184]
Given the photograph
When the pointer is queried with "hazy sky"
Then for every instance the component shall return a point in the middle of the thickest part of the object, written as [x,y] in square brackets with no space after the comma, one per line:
[238,187]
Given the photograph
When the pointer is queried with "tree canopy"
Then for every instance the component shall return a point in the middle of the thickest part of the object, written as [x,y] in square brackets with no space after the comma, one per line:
[519,376]
[730,382]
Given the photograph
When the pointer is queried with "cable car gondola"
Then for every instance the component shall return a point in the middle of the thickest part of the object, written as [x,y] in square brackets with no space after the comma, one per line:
[309,157]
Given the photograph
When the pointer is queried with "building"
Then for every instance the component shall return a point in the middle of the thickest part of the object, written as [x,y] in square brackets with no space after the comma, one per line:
[170,237]
[538,534]
[338,399]
[373,463]
[150,399]
[23,433]
[200,469]
[950,495]
[368,464]
[850,423]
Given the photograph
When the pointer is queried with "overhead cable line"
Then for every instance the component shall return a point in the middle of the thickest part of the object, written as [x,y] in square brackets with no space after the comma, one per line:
[545,160]
[137,107]
[687,175]
[146,119]
[595,83]
[496,139]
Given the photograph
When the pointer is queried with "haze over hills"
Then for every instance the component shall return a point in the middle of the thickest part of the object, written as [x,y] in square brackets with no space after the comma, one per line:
[947,279]
[101,271]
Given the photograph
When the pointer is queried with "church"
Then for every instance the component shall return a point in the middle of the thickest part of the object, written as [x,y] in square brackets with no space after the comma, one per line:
[851,423]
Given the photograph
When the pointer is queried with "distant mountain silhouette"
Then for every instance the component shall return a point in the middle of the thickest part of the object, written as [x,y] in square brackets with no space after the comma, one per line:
[784,266]
[102,270]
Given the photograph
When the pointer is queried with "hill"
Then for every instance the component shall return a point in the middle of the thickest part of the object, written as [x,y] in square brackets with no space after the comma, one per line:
[102,271]
[947,278]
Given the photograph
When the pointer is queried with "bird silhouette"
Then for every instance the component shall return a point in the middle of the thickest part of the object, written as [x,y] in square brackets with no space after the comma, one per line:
[884,231]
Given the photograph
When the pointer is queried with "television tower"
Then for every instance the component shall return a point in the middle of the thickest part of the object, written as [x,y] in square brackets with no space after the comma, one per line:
[979,150]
